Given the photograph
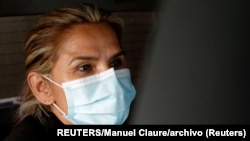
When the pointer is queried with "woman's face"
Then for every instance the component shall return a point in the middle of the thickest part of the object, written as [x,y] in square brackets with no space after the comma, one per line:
[84,50]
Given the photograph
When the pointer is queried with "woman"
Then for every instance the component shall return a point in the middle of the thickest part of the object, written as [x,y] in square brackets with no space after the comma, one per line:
[76,73]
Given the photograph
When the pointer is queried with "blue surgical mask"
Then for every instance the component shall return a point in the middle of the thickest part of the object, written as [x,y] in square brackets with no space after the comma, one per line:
[104,98]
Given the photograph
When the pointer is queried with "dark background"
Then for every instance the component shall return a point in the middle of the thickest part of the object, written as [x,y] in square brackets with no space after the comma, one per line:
[33,7]
[197,64]
[197,71]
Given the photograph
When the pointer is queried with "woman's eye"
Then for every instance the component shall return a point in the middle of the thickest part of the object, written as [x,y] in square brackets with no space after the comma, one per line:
[85,68]
[116,63]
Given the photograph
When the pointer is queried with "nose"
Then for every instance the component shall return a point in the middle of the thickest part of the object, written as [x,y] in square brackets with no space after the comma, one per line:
[102,67]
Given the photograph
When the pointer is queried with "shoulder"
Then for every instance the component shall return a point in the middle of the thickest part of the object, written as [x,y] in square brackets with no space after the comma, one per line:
[31,129]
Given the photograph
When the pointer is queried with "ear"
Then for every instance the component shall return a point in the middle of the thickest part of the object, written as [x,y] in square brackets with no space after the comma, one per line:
[40,88]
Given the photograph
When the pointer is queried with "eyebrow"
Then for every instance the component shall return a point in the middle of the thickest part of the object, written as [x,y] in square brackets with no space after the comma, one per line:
[118,54]
[95,58]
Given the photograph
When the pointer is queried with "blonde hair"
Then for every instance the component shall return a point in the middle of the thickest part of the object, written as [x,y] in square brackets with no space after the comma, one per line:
[40,50]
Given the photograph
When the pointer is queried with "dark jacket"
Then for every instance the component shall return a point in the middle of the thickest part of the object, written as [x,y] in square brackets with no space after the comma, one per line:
[31,129]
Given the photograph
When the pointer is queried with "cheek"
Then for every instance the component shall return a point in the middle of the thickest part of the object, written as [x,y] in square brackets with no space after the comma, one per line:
[60,99]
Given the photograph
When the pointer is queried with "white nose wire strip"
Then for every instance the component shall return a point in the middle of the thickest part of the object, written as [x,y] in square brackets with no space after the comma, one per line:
[52,81]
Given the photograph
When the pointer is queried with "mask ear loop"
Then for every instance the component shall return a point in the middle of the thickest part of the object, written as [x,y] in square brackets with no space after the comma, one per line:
[52,81]
[59,109]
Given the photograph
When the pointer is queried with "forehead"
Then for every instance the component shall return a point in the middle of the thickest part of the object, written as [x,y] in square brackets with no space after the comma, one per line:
[82,38]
